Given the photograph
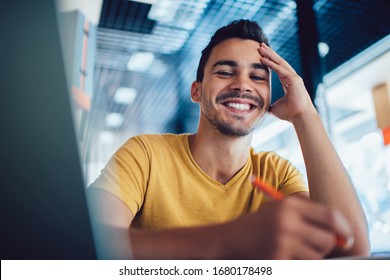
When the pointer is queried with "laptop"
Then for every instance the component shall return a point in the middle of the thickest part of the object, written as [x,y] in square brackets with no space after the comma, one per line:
[44,214]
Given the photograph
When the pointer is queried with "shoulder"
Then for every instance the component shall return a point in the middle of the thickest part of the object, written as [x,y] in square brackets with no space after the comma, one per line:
[269,157]
[278,172]
[269,161]
[158,140]
[151,143]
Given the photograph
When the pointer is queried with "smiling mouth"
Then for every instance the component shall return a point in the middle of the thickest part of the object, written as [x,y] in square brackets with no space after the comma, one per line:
[239,106]
[240,102]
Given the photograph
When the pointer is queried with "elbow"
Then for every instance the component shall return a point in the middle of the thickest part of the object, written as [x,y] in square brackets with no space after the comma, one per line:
[363,249]
[361,246]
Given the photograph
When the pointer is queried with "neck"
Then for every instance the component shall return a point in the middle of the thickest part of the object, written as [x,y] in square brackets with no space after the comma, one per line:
[220,156]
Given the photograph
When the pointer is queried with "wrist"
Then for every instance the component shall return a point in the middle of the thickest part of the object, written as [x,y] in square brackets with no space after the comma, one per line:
[220,246]
[306,117]
[230,242]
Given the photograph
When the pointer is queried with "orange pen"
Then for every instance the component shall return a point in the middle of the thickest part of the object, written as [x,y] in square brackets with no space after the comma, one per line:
[267,189]
[272,193]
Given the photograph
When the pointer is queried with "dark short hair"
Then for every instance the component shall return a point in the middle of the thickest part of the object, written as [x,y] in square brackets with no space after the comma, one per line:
[243,29]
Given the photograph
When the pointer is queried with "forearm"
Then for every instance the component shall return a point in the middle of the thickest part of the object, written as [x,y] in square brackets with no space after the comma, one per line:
[182,243]
[328,180]
[115,240]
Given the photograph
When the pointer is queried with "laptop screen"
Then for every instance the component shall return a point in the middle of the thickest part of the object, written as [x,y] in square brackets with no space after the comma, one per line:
[43,208]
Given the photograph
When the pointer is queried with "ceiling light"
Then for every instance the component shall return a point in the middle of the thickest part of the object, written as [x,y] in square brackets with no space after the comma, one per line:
[106,137]
[125,95]
[323,49]
[189,25]
[114,120]
[164,10]
[140,61]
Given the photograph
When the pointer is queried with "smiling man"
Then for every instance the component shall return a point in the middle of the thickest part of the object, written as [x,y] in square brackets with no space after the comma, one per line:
[190,195]
[227,67]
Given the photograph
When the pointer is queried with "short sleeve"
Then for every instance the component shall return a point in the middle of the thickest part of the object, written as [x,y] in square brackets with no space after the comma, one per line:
[126,174]
[278,172]
[290,178]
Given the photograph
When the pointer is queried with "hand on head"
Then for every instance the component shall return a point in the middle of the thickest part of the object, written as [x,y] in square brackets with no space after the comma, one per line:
[296,100]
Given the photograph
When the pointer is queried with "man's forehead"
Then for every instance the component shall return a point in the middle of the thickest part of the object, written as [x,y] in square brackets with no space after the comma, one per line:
[236,49]
[235,52]
[238,43]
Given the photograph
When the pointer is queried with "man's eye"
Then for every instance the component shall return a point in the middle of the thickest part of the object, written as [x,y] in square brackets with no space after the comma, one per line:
[258,78]
[224,73]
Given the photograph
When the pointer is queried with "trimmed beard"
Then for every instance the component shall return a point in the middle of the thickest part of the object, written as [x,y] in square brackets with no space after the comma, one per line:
[225,127]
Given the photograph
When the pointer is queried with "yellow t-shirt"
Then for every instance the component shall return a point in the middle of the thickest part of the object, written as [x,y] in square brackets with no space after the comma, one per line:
[159,180]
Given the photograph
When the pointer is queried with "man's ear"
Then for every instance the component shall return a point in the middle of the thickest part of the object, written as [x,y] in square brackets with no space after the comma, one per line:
[196,92]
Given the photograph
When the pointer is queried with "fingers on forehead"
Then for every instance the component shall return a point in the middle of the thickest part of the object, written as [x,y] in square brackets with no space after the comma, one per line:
[281,71]
[271,55]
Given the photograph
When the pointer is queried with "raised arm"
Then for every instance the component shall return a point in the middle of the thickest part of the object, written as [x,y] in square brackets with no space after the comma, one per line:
[328,180]
[295,228]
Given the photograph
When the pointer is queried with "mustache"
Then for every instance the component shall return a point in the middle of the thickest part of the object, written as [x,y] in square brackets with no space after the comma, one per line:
[235,94]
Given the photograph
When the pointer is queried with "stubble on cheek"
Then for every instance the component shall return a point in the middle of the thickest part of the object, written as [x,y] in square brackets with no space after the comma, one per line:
[225,127]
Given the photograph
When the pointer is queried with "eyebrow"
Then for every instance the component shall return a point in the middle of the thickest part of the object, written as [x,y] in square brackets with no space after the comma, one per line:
[233,63]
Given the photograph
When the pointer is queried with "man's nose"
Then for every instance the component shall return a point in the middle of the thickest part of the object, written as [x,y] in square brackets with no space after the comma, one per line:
[241,83]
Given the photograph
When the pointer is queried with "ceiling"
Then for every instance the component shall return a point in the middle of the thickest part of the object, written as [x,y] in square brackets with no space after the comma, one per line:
[176,39]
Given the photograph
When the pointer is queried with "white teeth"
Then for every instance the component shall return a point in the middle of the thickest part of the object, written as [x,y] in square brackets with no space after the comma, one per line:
[238,106]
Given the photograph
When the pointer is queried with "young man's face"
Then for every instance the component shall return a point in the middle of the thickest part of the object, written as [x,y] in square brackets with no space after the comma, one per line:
[235,91]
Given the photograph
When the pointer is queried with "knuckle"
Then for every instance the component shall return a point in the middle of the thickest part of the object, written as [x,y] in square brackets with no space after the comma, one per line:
[331,218]
[328,241]
[282,225]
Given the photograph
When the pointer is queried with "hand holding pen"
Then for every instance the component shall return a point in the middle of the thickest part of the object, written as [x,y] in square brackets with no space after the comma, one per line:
[331,221]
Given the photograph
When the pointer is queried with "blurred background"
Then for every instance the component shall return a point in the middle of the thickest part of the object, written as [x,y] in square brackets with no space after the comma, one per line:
[130,65]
